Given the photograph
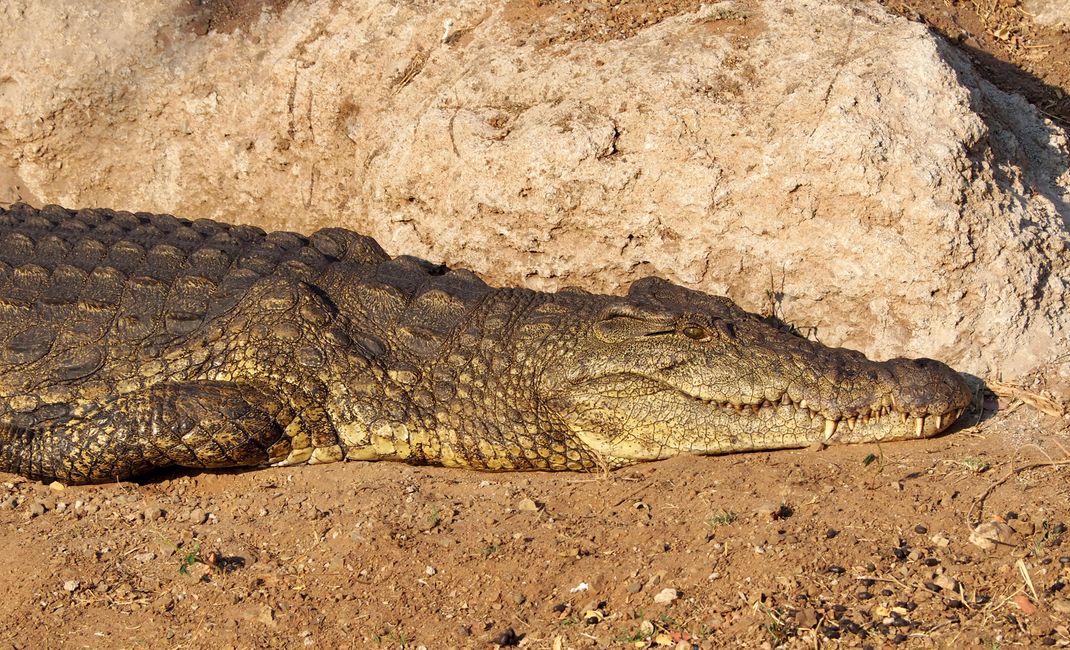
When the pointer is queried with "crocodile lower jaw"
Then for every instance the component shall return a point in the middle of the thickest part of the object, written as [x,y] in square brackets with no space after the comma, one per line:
[924,425]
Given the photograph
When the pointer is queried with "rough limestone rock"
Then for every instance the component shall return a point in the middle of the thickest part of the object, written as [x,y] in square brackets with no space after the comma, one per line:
[1050,13]
[832,161]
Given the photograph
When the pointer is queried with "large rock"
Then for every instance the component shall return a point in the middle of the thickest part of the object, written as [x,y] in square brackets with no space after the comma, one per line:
[841,163]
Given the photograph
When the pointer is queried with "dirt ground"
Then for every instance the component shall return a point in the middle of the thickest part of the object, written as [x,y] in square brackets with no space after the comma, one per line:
[863,546]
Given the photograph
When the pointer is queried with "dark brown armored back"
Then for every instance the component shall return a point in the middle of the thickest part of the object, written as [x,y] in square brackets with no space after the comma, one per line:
[81,290]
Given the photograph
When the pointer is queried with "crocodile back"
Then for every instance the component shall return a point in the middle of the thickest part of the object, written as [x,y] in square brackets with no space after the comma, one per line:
[83,293]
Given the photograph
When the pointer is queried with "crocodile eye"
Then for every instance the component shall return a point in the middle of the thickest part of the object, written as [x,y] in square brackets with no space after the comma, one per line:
[695,332]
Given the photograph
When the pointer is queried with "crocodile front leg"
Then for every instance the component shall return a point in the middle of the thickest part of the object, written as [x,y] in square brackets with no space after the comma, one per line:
[192,424]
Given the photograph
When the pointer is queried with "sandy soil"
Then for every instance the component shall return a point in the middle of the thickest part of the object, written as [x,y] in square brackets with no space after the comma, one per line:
[862,546]
[866,546]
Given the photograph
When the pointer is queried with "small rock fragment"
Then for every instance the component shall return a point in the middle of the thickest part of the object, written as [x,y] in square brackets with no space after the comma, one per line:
[198,516]
[56,486]
[430,570]
[507,637]
[666,596]
[152,513]
[806,617]
[947,582]
[266,615]
[1024,604]
[527,505]
[633,587]
[775,511]
[990,534]
[1061,605]
[1022,527]
[70,586]
[940,540]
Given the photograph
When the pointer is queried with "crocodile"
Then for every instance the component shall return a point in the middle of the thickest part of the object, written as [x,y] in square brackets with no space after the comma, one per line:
[131,342]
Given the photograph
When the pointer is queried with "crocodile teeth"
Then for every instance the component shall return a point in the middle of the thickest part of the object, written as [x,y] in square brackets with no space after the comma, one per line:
[919,426]
[830,429]
[939,421]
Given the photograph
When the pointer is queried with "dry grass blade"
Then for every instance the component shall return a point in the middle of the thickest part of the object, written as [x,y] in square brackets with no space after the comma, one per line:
[1036,400]
[1028,579]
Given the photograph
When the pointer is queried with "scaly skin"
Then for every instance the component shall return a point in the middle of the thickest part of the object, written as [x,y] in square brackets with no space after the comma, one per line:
[132,342]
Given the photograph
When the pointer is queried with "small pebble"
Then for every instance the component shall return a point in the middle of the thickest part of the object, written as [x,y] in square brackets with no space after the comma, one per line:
[152,513]
[633,587]
[1022,527]
[1061,605]
[527,505]
[806,617]
[1024,604]
[864,595]
[1065,560]
[837,569]
[430,570]
[37,509]
[198,516]
[990,534]
[947,582]
[507,637]
[666,596]
[921,530]
[70,586]
[831,532]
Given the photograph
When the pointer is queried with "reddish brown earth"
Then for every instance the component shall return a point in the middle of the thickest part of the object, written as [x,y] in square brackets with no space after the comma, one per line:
[864,546]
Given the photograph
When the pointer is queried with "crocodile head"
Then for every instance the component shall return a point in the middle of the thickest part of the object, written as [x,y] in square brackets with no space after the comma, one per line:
[667,370]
